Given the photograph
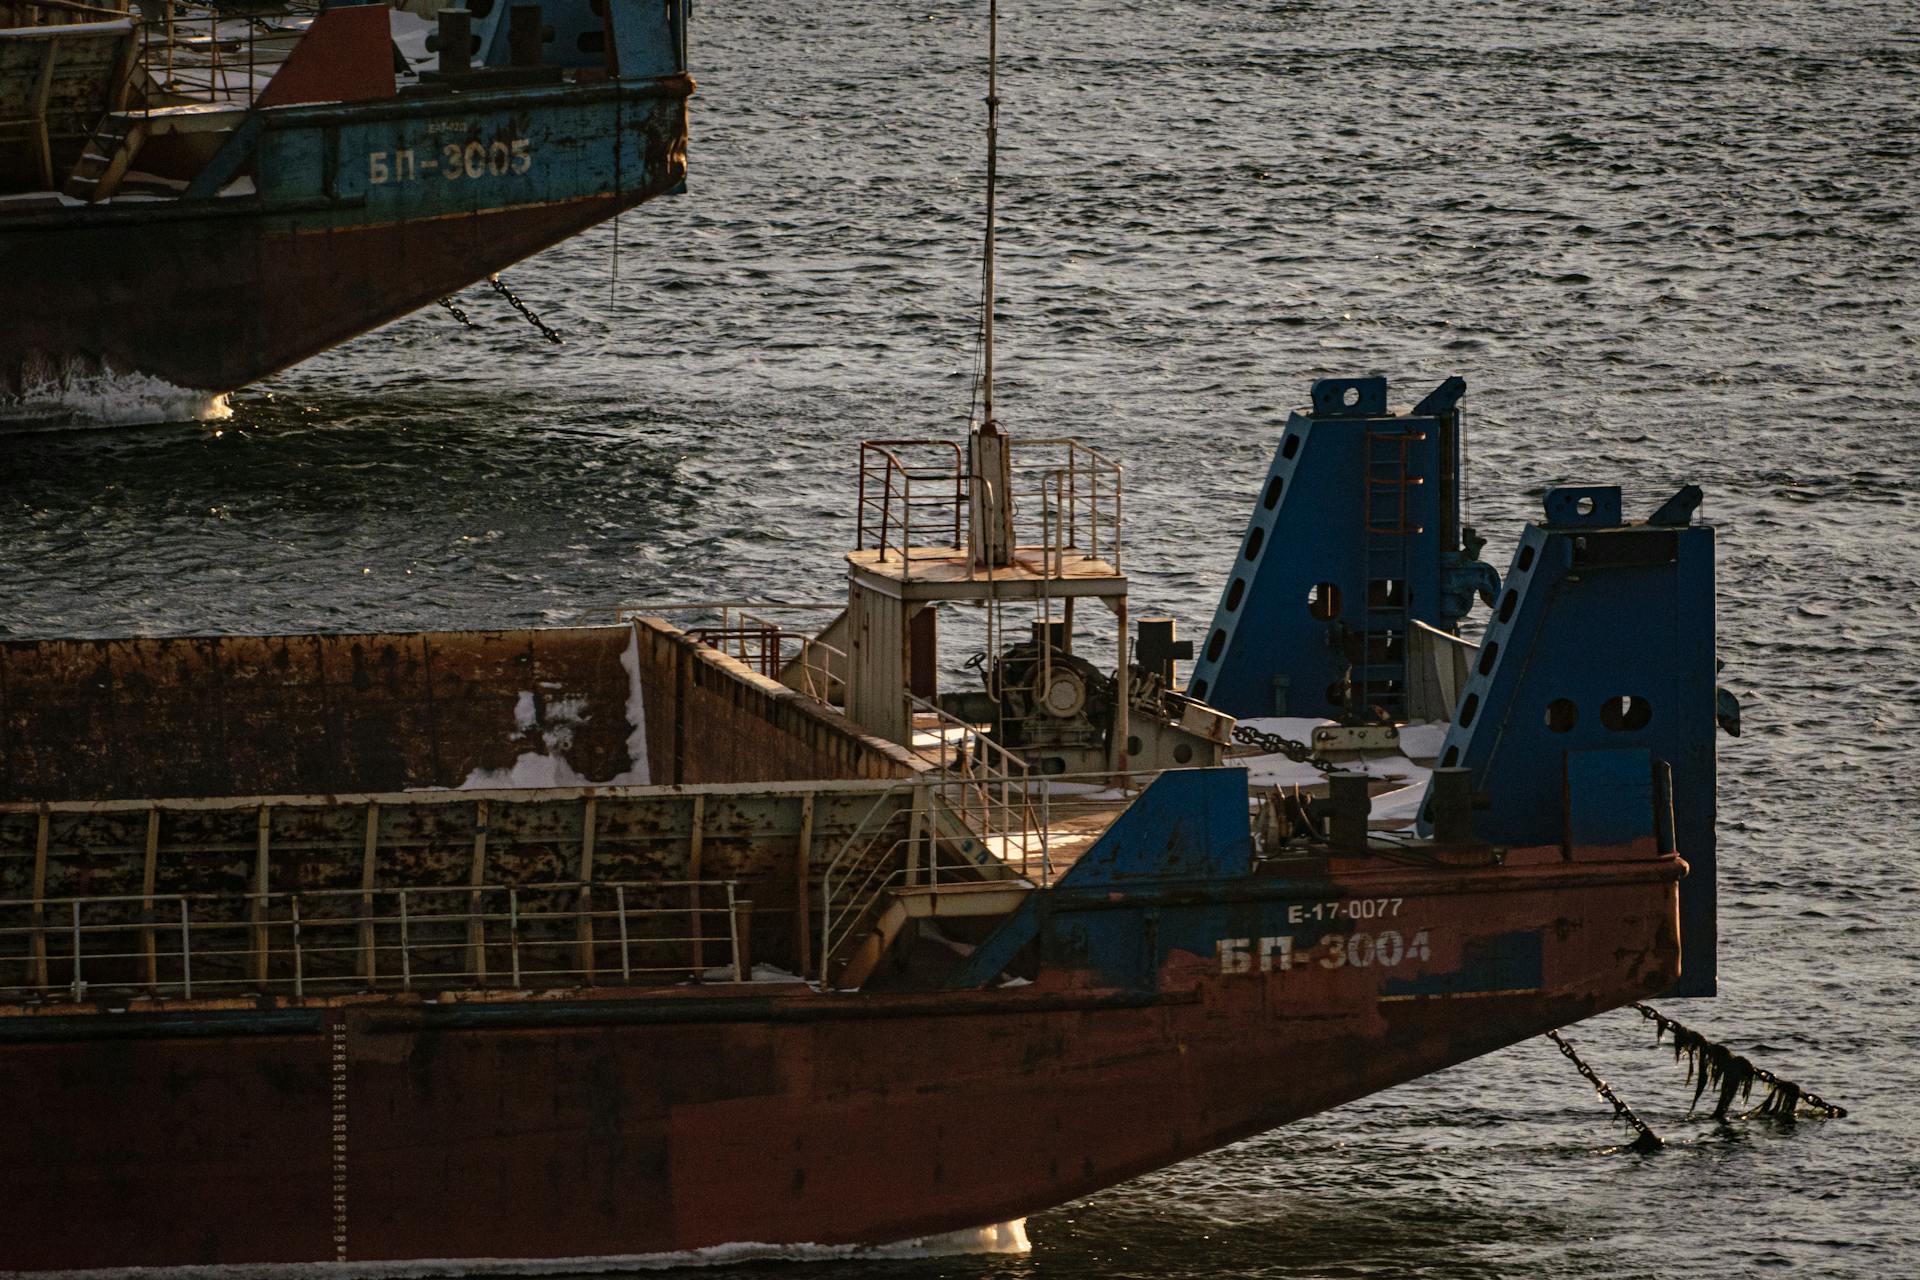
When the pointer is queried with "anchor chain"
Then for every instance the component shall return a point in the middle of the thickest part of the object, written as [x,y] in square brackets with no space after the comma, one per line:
[1715,1064]
[500,287]
[1274,744]
[453,308]
[1647,1139]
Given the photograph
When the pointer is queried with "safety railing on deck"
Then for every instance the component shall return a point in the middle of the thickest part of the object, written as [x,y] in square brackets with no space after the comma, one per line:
[899,478]
[190,53]
[800,659]
[320,942]
[977,796]
[1066,499]
[795,658]
[987,787]
[1081,493]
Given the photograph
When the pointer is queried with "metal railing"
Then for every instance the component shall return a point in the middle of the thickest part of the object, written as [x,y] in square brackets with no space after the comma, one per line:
[190,53]
[887,500]
[987,787]
[977,795]
[799,659]
[795,658]
[1065,498]
[856,876]
[332,941]
[1081,494]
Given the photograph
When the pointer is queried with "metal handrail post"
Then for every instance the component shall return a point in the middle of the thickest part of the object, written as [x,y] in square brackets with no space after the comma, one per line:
[299,977]
[626,955]
[513,933]
[1073,498]
[79,986]
[860,505]
[406,954]
[186,935]
[733,931]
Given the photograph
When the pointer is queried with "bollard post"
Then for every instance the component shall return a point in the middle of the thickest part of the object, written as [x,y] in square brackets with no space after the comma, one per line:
[1451,809]
[456,41]
[1348,806]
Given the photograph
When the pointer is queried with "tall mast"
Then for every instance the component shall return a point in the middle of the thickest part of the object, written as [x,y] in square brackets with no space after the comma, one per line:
[993,149]
[989,459]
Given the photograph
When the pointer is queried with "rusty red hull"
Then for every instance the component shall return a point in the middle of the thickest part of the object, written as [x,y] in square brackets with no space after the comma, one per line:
[249,298]
[361,212]
[390,1128]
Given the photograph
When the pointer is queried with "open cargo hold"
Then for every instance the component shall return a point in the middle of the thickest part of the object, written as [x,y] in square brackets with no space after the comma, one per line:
[305,812]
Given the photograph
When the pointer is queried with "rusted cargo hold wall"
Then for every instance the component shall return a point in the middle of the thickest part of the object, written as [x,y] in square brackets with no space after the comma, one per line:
[711,718]
[310,715]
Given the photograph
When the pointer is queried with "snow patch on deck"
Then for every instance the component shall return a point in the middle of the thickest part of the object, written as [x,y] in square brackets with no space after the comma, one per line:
[1401,804]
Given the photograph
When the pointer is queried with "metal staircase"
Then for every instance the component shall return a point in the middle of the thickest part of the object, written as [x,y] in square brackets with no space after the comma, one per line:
[855,881]
[107,156]
[1378,649]
[926,849]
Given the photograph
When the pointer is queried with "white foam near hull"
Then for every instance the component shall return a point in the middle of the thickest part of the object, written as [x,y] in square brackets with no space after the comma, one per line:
[1000,1237]
[77,397]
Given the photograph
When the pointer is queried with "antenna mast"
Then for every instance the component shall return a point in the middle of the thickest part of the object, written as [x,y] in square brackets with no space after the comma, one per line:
[993,150]
[989,459]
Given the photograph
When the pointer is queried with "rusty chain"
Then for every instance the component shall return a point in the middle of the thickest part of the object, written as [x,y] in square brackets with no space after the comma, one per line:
[1711,1063]
[1647,1139]
[1274,744]
[500,287]
[453,309]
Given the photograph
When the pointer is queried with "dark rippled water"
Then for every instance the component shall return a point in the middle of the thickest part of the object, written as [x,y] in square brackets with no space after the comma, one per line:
[1663,242]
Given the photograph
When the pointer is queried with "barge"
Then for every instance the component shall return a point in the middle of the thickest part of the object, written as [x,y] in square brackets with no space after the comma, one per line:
[205,196]
[796,939]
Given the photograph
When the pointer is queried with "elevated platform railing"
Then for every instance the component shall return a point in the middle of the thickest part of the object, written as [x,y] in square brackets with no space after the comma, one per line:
[1080,494]
[192,53]
[799,659]
[914,497]
[338,941]
[913,493]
